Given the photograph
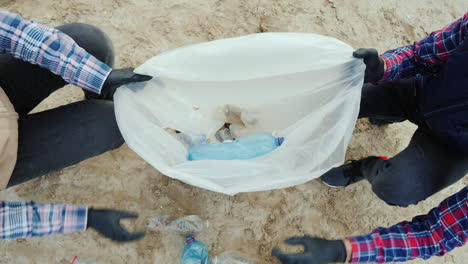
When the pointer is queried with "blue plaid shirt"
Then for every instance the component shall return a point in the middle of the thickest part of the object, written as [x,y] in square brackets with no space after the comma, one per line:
[27,219]
[51,49]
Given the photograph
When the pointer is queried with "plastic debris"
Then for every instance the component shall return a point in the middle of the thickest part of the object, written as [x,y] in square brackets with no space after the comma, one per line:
[190,224]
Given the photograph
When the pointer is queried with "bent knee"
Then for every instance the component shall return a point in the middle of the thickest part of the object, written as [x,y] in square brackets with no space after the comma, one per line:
[105,123]
[92,39]
[398,196]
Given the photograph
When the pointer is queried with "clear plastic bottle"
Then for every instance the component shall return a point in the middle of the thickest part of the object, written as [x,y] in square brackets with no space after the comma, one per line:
[246,147]
[195,252]
[189,224]
[189,141]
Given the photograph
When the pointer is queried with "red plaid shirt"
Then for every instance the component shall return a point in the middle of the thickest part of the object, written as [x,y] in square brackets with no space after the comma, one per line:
[434,234]
[445,227]
[426,54]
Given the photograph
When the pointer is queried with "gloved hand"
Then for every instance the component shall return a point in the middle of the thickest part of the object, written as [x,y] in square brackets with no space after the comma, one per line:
[316,251]
[118,78]
[107,223]
[374,64]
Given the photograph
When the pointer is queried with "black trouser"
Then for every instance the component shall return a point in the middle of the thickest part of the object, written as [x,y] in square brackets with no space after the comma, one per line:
[425,166]
[57,138]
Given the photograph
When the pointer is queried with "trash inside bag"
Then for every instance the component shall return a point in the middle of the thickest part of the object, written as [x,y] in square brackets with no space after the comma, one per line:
[304,88]
[247,147]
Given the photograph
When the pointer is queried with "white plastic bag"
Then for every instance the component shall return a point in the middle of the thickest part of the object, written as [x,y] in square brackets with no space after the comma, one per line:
[303,87]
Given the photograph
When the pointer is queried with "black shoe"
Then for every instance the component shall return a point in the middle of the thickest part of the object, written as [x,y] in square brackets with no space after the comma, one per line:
[384,122]
[343,175]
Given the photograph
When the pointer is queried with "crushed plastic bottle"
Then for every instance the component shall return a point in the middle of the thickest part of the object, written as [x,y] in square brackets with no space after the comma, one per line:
[195,252]
[190,224]
[247,147]
[189,141]
[234,257]
[224,135]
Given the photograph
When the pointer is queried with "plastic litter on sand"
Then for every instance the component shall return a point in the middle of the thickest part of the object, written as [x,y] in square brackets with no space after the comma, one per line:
[190,224]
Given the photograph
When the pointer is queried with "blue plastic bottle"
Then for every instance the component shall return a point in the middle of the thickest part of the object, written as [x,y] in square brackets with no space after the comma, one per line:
[195,252]
[251,146]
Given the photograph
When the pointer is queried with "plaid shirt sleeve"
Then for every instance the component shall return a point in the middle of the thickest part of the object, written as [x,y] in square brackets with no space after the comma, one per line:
[28,219]
[434,234]
[51,49]
[426,54]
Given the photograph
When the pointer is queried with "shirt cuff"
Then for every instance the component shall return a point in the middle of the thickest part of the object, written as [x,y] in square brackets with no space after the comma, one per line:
[92,74]
[388,68]
[75,218]
[363,248]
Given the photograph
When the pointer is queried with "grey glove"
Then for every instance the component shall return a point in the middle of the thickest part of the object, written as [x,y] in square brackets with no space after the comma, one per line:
[316,251]
[374,64]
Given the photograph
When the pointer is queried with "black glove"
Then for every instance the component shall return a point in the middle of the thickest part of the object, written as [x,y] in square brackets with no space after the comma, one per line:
[107,223]
[316,251]
[374,64]
[116,79]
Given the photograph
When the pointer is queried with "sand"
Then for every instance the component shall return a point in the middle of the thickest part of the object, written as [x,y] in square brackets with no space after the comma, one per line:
[254,222]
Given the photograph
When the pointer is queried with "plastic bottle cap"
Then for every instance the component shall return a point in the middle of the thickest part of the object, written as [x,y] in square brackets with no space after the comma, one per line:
[189,239]
[279,141]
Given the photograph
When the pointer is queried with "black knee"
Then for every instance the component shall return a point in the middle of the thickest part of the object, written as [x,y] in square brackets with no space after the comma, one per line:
[398,187]
[92,39]
[394,182]
[396,197]
[105,126]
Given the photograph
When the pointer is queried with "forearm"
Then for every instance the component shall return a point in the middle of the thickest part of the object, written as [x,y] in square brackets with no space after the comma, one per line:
[440,231]
[51,49]
[425,54]
[28,219]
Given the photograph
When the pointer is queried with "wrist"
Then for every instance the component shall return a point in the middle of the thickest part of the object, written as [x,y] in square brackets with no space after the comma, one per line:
[384,67]
[348,248]
[89,217]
